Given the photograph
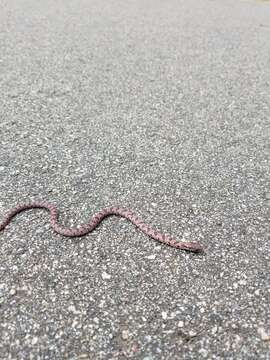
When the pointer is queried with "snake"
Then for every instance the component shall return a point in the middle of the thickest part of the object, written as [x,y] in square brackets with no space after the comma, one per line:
[96,219]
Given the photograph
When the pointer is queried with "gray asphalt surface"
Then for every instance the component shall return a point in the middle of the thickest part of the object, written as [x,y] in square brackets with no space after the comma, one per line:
[160,106]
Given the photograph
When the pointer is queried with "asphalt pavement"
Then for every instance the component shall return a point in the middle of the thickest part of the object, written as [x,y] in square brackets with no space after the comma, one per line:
[162,106]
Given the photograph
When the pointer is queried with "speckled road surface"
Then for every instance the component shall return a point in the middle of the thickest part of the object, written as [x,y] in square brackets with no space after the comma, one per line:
[160,106]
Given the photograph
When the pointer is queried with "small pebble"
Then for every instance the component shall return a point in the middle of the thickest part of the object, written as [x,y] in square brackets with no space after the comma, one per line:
[192,333]
[148,338]
[164,315]
[101,304]
[125,335]
[72,309]
[242,282]
[13,292]
[151,257]
[34,340]
[105,276]
[203,352]
[265,336]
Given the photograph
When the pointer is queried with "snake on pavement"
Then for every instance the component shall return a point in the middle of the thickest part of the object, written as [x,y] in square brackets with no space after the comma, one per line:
[95,221]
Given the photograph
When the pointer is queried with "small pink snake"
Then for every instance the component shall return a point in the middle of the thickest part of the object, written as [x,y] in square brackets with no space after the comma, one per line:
[95,221]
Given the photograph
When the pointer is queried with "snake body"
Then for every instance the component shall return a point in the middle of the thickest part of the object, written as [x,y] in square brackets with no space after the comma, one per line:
[95,221]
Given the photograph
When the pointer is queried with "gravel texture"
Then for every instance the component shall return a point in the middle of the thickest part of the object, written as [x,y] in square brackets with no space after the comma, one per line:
[160,106]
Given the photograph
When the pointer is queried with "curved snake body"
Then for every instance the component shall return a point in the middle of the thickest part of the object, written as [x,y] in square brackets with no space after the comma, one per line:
[95,221]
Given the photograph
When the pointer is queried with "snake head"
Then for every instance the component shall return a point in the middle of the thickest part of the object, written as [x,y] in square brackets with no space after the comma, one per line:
[194,247]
